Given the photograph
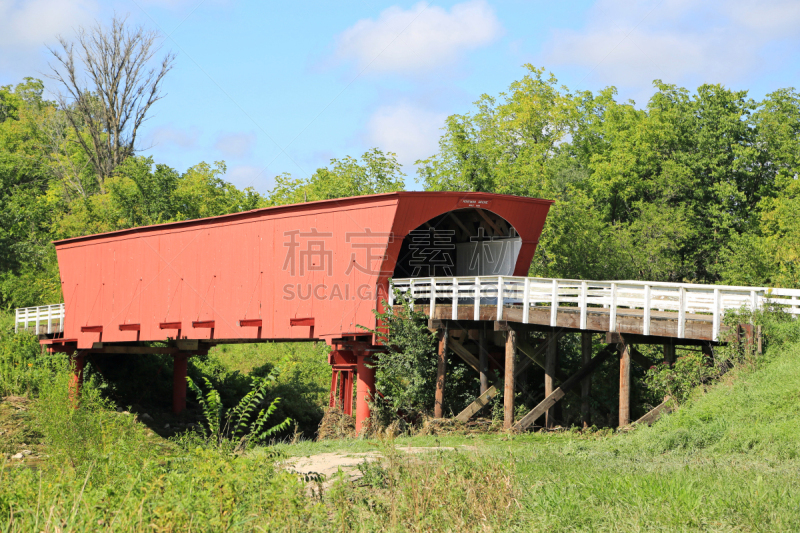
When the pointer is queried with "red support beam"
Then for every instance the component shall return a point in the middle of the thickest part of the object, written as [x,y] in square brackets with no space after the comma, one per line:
[334,381]
[365,390]
[347,382]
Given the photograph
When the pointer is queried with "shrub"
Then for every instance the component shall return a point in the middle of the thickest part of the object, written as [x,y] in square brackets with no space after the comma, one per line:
[238,429]
[405,374]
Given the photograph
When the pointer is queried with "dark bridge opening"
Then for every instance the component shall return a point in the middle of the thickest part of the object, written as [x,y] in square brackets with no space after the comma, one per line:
[464,242]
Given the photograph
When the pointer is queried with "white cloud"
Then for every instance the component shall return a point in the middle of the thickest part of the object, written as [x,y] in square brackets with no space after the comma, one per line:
[410,131]
[419,39]
[182,138]
[32,23]
[235,144]
[27,25]
[678,41]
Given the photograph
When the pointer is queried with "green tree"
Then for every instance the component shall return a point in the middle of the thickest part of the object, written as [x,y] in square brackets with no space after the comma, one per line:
[376,172]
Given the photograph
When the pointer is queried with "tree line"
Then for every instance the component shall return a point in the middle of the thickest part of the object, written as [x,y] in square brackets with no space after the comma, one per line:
[699,187]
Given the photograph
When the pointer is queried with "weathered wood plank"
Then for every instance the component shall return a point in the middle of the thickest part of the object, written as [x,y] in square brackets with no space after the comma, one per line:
[463,353]
[483,360]
[629,321]
[482,400]
[508,389]
[656,412]
[441,370]
[624,384]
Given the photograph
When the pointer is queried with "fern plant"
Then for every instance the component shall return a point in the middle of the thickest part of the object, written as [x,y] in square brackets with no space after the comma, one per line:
[239,428]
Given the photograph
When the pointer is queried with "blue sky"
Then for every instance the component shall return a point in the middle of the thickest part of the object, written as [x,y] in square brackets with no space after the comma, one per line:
[273,87]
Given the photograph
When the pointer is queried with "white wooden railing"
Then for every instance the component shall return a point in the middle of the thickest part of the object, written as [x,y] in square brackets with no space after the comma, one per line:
[40,320]
[679,298]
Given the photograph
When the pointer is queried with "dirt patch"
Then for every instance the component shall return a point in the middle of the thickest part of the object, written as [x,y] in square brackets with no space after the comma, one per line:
[320,469]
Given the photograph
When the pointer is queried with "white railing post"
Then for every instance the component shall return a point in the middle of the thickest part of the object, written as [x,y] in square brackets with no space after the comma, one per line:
[500,297]
[16,321]
[411,290]
[554,304]
[391,294]
[476,307]
[681,312]
[526,301]
[583,303]
[433,297]
[646,309]
[455,299]
[717,318]
[753,301]
[49,319]
[612,312]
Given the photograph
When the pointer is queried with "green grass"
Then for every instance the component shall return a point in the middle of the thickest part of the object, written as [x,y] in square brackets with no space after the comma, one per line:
[726,461]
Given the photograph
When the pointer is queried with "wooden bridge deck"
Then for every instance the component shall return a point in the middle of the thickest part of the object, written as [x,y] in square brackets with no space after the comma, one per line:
[628,321]
[677,310]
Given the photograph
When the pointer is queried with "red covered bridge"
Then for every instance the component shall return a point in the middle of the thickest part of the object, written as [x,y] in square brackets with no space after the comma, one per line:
[319,270]
[311,271]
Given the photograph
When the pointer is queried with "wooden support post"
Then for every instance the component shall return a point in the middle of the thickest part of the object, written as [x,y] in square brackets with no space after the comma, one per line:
[669,353]
[441,370]
[586,384]
[180,363]
[559,393]
[550,368]
[508,391]
[483,360]
[78,364]
[759,343]
[491,392]
[624,384]
[706,349]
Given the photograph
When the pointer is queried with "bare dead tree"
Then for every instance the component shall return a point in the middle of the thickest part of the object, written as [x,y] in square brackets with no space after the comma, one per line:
[106,106]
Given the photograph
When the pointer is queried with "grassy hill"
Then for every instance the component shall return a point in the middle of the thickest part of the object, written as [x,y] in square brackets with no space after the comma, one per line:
[727,460]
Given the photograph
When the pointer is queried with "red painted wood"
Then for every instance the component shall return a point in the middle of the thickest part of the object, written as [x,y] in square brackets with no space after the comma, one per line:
[301,321]
[91,329]
[365,390]
[250,323]
[170,325]
[204,324]
[130,327]
[244,264]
